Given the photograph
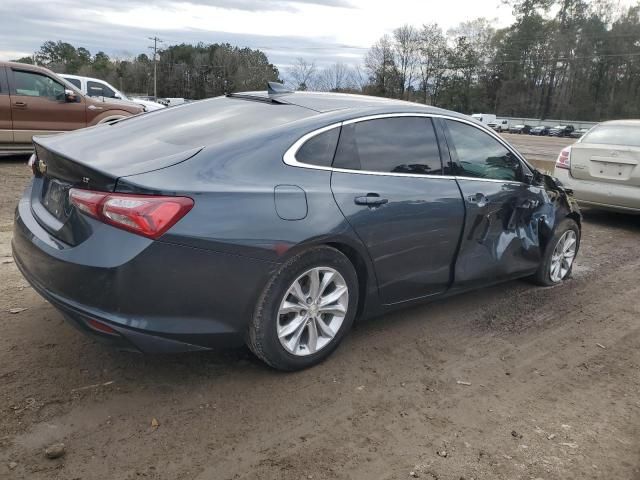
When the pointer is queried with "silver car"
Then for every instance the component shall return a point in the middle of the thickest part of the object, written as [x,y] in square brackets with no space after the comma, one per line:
[603,167]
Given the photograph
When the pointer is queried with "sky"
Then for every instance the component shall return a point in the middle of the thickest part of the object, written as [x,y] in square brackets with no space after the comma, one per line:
[325,31]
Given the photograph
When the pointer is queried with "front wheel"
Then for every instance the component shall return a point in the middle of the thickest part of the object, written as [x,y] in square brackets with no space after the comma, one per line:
[559,254]
[305,310]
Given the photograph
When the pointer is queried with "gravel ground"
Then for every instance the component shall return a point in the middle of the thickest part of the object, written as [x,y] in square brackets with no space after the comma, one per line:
[508,382]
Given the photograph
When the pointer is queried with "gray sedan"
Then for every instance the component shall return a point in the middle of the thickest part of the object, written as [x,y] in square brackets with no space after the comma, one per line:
[277,218]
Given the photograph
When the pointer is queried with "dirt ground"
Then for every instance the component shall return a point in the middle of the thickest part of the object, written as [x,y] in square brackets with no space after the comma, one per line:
[509,382]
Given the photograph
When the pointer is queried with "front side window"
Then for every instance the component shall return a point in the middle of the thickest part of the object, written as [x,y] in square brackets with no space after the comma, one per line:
[95,89]
[319,149]
[396,145]
[75,82]
[33,84]
[479,155]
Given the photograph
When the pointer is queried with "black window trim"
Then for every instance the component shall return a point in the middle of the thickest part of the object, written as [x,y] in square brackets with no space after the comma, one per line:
[289,156]
[4,81]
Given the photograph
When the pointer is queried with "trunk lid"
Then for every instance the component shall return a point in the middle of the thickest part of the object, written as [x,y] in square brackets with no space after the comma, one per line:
[56,173]
[606,163]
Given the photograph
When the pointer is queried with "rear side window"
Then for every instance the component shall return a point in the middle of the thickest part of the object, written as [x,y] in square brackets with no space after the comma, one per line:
[396,145]
[479,155]
[95,89]
[614,135]
[319,150]
[74,81]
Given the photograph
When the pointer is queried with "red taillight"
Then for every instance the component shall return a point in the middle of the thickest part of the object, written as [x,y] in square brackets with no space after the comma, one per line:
[564,159]
[147,215]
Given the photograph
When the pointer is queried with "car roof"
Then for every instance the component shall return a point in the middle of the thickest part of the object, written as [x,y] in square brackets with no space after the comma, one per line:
[24,66]
[630,122]
[323,102]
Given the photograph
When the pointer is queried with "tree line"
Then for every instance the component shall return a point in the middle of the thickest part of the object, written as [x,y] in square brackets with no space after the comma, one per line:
[571,59]
[189,71]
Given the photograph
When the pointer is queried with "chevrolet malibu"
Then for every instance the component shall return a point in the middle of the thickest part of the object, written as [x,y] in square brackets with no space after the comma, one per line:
[276,218]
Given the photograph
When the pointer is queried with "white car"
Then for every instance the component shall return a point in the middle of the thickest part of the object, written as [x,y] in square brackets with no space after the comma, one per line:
[603,167]
[499,125]
[95,87]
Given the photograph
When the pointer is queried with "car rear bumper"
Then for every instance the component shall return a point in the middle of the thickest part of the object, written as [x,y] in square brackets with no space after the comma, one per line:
[606,195]
[158,297]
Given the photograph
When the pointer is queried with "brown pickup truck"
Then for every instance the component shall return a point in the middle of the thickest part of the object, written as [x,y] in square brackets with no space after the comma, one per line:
[35,101]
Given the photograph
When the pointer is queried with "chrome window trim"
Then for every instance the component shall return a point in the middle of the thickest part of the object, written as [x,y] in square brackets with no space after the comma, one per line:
[289,156]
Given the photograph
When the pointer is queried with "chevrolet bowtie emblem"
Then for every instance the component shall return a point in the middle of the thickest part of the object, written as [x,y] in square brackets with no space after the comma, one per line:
[42,167]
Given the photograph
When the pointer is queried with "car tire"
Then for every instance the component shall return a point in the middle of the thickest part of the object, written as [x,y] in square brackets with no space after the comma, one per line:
[272,332]
[563,232]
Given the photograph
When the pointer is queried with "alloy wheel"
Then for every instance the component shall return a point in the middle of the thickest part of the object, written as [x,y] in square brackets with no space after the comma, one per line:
[563,255]
[312,311]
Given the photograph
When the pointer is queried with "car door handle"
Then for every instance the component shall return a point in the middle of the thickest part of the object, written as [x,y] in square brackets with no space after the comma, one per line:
[93,107]
[479,199]
[370,200]
[20,104]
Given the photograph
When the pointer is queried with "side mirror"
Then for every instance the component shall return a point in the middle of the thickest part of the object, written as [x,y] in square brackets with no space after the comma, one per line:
[529,178]
[117,96]
[70,96]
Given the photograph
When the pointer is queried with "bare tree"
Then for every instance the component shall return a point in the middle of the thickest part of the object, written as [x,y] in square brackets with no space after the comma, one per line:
[432,59]
[303,74]
[381,66]
[405,48]
[358,78]
[334,78]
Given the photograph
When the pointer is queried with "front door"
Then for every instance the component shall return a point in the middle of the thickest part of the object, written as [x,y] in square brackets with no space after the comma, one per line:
[387,181]
[38,106]
[503,210]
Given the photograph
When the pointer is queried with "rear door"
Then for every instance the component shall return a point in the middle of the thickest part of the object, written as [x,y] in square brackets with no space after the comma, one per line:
[38,106]
[500,238]
[609,157]
[6,125]
[388,183]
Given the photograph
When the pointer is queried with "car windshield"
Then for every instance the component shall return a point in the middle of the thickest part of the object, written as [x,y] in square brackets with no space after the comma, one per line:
[614,135]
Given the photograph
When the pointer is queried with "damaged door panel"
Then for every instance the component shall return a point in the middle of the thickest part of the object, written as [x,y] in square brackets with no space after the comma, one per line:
[501,236]
[510,209]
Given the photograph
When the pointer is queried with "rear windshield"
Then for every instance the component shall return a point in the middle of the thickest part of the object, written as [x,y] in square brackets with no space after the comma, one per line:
[207,122]
[614,135]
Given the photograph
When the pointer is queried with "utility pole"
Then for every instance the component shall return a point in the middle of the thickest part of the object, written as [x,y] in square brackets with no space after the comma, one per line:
[155,64]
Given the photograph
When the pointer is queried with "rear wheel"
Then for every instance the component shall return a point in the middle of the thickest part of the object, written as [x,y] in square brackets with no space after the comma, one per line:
[559,254]
[305,310]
